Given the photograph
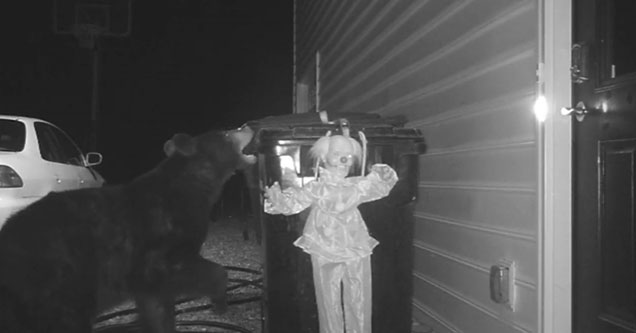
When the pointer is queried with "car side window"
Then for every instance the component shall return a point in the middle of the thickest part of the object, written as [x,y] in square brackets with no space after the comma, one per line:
[48,147]
[72,154]
[12,135]
[56,146]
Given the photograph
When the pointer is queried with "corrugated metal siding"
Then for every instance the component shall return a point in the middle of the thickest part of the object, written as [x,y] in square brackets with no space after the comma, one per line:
[464,73]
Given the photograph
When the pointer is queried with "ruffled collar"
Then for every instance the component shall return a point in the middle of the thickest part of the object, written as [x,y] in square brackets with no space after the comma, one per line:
[330,177]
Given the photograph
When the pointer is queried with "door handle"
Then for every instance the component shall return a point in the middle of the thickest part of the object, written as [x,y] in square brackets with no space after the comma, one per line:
[580,110]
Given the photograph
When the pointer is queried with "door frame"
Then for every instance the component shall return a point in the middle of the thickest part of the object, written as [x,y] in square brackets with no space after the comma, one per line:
[555,164]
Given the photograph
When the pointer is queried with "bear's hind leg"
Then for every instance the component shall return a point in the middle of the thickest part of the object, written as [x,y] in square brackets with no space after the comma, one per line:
[200,277]
[156,312]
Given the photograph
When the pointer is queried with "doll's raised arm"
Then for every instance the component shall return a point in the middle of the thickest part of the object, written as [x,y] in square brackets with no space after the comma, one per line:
[290,201]
[378,183]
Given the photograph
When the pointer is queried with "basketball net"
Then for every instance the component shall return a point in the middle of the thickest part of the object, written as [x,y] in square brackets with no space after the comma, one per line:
[87,34]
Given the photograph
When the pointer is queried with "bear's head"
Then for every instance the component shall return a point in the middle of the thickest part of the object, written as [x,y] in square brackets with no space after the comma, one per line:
[216,153]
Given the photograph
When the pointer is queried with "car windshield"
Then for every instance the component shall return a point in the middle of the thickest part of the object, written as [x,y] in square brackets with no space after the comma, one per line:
[12,134]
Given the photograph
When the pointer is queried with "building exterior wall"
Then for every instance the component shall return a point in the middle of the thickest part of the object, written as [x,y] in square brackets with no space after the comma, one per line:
[464,73]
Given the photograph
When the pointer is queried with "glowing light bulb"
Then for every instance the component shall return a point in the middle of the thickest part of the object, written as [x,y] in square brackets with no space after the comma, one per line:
[541,108]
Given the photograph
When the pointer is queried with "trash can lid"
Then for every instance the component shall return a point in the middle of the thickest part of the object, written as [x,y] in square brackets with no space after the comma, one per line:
[305,126]
[325,118]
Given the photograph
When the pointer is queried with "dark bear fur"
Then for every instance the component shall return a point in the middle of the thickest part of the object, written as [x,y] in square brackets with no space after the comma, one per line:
[142,238]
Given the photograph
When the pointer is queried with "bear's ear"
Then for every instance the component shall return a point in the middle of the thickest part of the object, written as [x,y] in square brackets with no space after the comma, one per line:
[181,143]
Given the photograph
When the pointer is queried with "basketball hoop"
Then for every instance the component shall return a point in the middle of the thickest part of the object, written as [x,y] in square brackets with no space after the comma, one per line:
[87,34]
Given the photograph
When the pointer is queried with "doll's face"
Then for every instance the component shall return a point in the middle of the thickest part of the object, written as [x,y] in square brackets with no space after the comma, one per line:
[339,158]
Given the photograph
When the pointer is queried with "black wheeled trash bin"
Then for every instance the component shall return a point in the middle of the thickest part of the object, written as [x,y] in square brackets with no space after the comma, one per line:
[283,142]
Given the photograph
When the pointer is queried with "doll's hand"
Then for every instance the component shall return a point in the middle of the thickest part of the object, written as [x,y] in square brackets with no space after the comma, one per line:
[268,195]
[270,192]
[384,173]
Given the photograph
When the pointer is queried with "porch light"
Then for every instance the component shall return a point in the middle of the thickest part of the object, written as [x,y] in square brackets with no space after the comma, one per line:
[541,108]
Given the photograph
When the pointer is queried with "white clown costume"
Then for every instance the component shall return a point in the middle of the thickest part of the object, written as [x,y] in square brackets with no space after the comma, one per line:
[335,235]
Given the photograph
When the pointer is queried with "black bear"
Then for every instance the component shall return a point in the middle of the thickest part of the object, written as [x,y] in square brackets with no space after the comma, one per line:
[143,238]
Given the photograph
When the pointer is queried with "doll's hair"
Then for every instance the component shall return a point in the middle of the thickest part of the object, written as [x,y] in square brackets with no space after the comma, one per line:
[320,148]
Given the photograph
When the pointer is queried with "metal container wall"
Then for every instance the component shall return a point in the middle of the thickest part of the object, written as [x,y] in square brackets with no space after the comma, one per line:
[289,304]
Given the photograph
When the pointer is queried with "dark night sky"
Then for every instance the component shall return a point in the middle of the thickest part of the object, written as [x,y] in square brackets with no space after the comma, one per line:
[188,66]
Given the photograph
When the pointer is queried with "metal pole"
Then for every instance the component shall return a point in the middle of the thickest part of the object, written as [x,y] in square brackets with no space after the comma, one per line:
[95,97]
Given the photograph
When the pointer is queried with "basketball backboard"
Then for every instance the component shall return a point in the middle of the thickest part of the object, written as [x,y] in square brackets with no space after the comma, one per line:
[110,18]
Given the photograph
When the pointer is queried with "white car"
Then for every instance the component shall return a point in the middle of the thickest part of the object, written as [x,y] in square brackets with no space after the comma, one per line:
[37,157]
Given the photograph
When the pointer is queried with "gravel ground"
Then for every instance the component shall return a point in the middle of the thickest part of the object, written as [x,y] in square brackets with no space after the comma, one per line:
[225,245]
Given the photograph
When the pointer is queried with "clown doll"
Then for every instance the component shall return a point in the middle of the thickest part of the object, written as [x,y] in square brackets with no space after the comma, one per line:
[335,235]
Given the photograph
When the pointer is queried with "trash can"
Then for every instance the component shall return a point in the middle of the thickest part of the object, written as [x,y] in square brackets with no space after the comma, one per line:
[282,144]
